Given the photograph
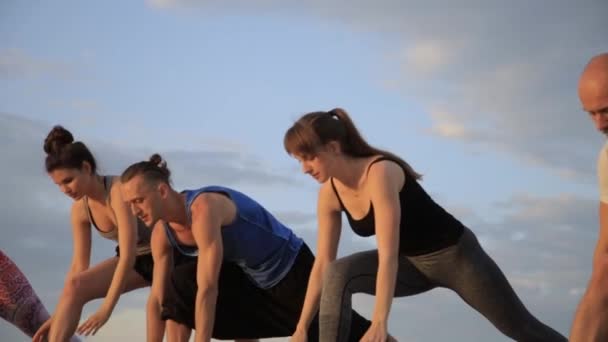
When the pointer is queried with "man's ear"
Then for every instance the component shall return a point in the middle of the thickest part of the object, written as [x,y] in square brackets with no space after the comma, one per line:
[163,189]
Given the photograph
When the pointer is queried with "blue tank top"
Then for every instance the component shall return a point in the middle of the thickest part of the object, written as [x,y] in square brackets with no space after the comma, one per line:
[256,241]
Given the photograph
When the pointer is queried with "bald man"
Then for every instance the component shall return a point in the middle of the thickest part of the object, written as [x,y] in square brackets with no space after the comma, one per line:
[591,319]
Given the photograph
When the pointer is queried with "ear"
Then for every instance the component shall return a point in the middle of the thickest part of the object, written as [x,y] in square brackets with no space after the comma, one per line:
[86,168]
[163,189]
[333,147]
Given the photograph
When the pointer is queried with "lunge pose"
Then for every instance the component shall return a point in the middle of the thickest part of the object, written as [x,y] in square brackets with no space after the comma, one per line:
[420,246]
[98,206]
[218,224]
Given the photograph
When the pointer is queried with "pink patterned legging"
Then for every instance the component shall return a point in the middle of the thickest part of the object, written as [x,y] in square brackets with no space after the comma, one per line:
[19,304]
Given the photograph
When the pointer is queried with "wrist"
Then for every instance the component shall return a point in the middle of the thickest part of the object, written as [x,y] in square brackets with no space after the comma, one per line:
[301,327]
[379,322]
[106,308]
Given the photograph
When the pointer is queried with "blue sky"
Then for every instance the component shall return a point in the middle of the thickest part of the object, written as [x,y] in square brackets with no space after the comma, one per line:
[480,98]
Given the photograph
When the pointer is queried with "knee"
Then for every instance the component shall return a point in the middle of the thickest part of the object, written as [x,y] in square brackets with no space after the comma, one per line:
[337,274]
[73,289]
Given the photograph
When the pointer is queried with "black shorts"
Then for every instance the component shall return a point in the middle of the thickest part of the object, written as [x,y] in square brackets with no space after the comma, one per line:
[244,310]
[144,265]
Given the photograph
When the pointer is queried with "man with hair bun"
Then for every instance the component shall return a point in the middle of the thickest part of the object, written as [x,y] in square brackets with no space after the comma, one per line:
[98,206]
[216,225]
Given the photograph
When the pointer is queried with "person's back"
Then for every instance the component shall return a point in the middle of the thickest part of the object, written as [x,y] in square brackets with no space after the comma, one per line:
[255,240]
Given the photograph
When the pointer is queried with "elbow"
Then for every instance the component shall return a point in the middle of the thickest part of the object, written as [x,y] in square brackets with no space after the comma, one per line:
[321,268]
[597,291]
[127,258]
[389,261]
[207,292]
[153,305]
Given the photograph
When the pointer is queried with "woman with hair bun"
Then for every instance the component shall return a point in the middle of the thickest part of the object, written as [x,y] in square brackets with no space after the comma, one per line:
[98,203]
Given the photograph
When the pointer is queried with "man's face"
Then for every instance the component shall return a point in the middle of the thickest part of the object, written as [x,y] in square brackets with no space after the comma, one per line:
[593,94]
[144,199]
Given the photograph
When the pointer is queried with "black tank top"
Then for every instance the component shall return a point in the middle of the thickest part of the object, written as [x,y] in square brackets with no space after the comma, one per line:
[425,226]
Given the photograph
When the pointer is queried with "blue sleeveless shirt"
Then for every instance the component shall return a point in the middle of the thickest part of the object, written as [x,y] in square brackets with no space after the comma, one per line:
[256,241]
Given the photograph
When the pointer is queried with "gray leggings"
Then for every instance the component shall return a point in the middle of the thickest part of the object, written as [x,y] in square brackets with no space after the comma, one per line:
[464,268]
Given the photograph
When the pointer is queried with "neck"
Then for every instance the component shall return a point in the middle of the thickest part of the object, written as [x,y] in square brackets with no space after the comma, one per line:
[350,171]
[175,209]
[98,191]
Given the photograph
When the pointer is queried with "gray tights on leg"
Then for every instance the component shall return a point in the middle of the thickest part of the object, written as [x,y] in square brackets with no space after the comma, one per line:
[464,268]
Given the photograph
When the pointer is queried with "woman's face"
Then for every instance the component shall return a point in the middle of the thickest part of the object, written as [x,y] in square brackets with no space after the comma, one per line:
[319,165]
[72,182]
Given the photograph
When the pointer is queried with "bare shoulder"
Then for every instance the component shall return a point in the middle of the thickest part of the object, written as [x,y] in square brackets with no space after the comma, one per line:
[158,231]
[386,172]
[115,187]
[208,201]
[327,199]
[79,213]
[213,206]
[159,240]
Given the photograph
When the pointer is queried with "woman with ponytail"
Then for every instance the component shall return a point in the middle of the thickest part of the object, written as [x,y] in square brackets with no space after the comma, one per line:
[420,246]
[99,204]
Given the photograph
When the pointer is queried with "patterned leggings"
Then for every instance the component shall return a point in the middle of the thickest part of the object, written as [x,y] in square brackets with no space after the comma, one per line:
[19,304]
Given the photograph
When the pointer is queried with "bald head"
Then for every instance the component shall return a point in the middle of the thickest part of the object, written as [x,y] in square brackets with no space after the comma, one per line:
[593,90]
[593,83]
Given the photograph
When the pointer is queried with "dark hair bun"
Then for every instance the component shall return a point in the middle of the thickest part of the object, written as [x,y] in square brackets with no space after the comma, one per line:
[160,163]
[58,137]
[157,160]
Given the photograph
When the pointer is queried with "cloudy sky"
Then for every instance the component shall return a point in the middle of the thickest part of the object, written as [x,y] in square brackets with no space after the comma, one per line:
[480,98]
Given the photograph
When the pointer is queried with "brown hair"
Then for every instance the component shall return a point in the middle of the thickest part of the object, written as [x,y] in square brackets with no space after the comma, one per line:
[153,170]
[63,153]
[315,129]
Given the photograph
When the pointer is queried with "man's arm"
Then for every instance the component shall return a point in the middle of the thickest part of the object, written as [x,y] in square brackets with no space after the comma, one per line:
[601,249]
[163,265]
[209,212]
[589,321]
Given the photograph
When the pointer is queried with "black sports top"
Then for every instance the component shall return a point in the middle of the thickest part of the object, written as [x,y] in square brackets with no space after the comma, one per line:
[425,226]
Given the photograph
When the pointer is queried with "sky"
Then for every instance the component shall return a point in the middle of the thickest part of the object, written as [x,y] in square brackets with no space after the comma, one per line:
[480,98]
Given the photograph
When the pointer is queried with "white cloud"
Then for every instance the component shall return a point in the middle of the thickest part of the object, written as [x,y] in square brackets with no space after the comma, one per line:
[17,63]
[549,257]
[162,3]
[506,75]
[446,125]
[87,105]
[428,57]
[36,214]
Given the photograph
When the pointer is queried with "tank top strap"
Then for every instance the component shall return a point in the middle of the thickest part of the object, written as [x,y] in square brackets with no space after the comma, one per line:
[85,200]
[381,158]
[191,251]
[333,185]
[106,185]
